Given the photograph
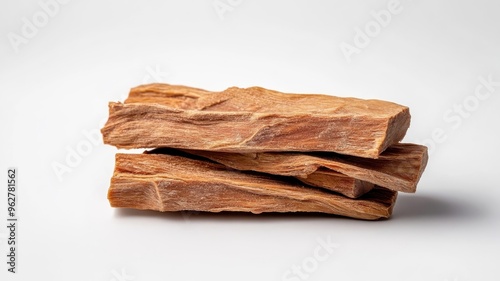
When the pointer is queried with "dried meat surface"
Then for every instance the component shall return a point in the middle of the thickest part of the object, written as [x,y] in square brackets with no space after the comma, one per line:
[253,120]
[166,182]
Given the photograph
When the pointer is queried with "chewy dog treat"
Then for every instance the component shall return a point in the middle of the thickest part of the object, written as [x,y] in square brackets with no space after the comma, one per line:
[398,168]
[253,120]
[323,178]
[165,182]
[328,179]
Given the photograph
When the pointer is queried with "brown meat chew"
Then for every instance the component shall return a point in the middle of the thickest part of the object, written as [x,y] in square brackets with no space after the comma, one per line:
[253,120]
[398,168]
[165,182]
[322,178]
[331,180]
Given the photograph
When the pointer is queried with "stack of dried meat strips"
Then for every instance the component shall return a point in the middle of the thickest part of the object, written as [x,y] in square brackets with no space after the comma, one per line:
[258,150]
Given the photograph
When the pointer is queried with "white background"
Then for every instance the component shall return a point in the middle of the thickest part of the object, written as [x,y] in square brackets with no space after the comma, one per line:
[56,82]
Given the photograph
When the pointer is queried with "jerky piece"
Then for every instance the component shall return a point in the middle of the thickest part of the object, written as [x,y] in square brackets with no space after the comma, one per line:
[337,182]
[322,178]
[253,120]
[166,182]
[399,168]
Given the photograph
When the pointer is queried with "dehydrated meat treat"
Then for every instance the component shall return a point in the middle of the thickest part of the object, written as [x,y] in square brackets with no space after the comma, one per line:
[323,178]
[398,168]
[253,120]
[165,182]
